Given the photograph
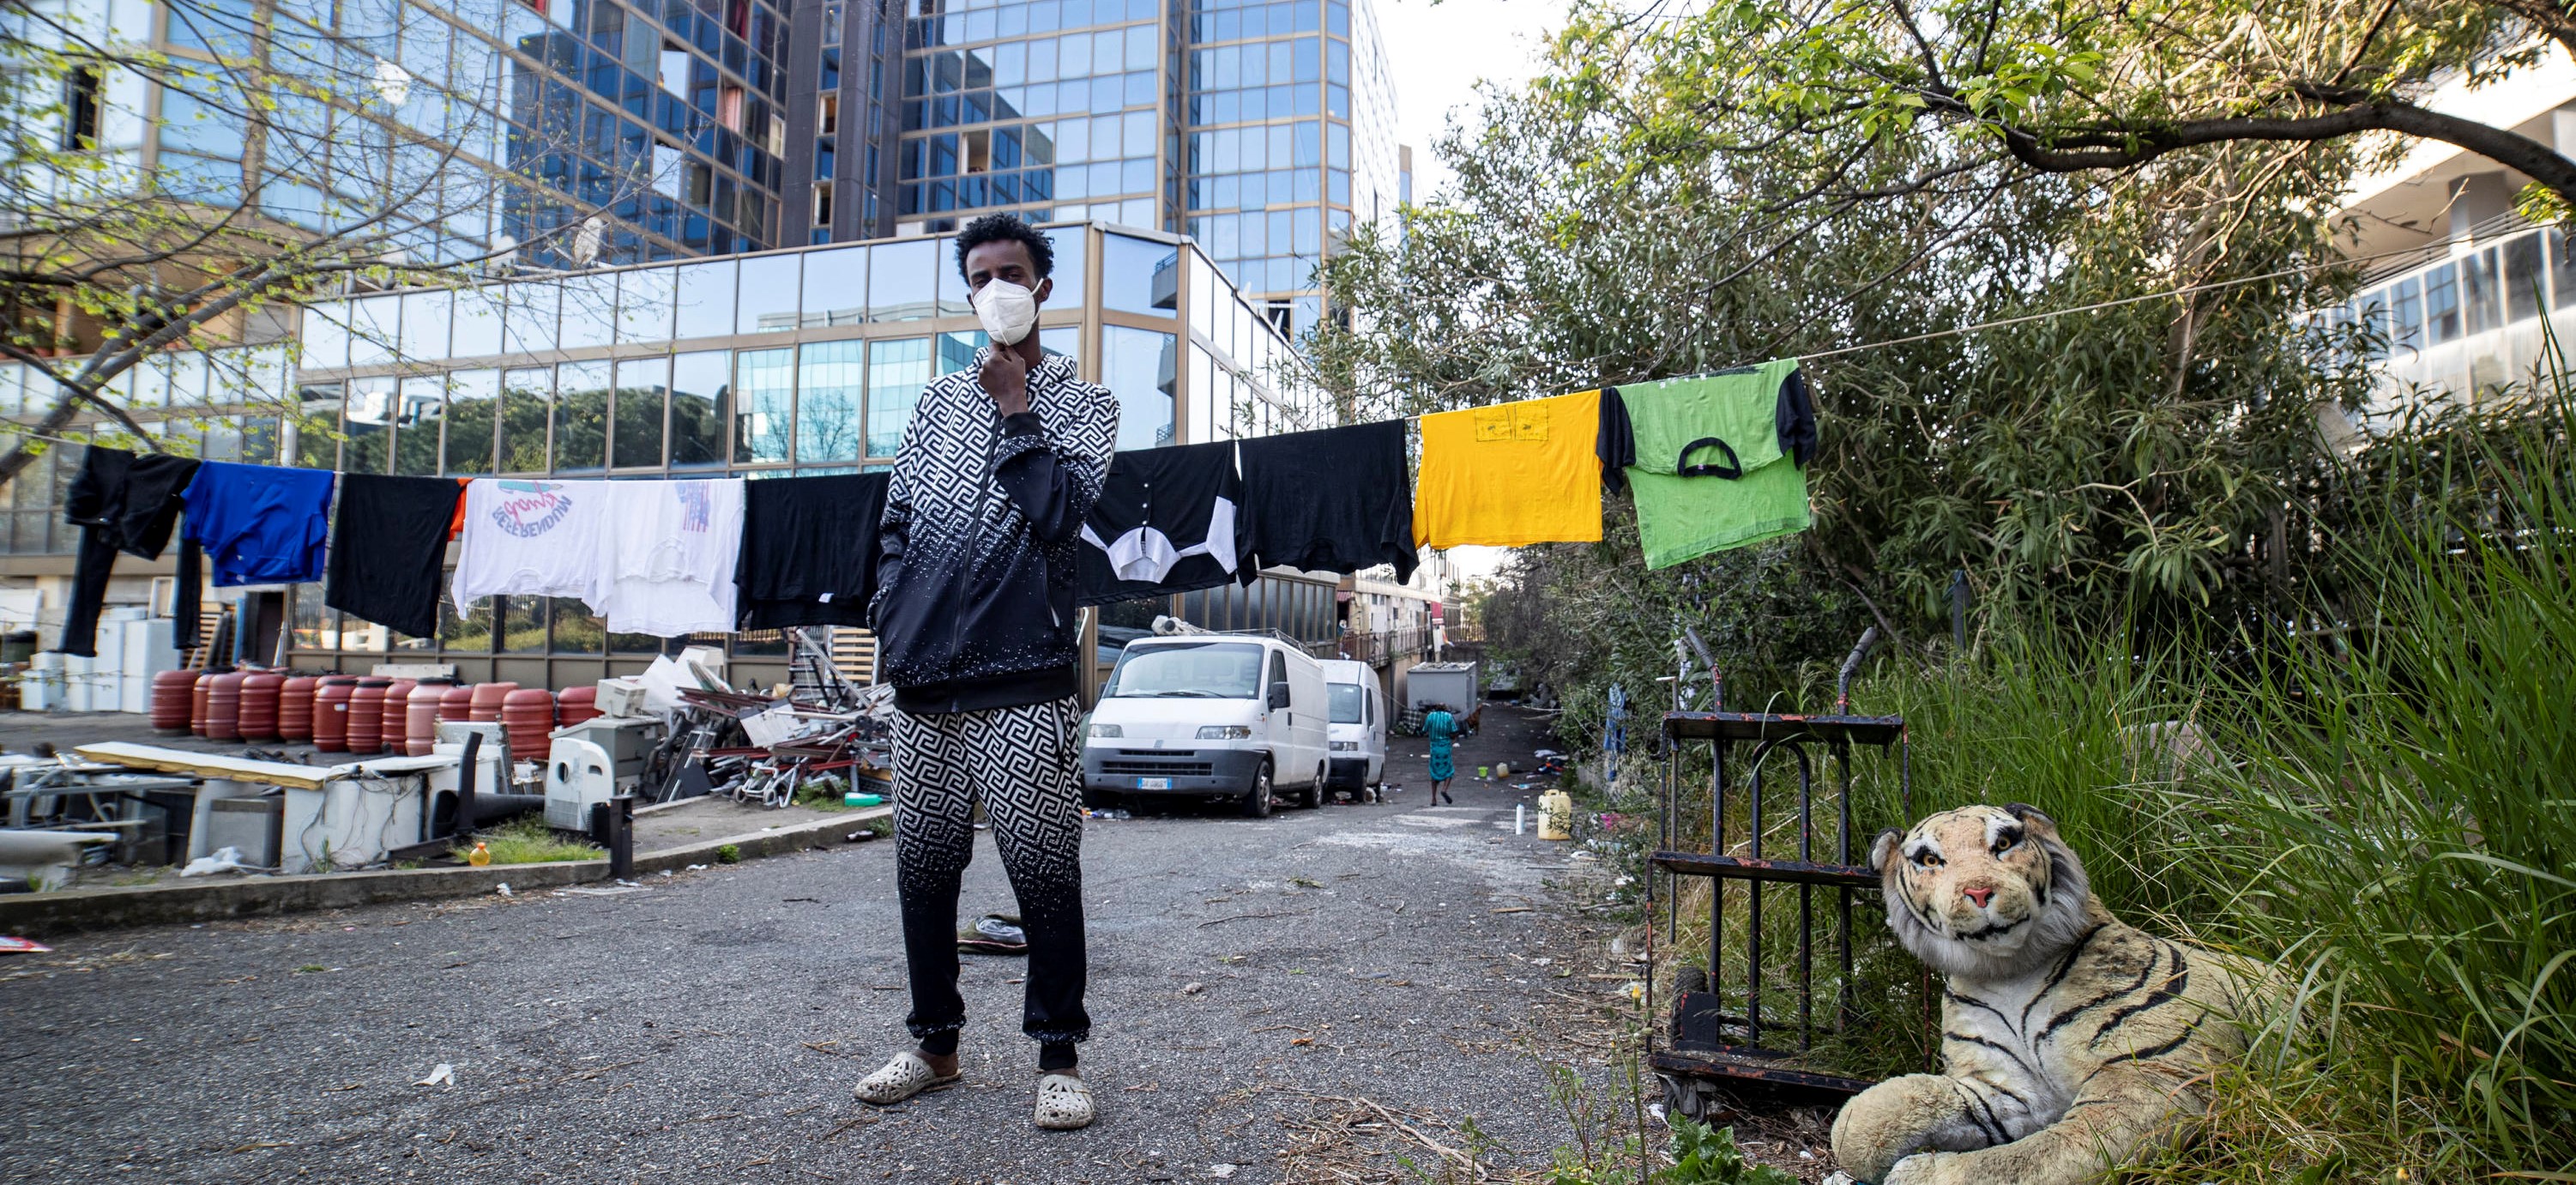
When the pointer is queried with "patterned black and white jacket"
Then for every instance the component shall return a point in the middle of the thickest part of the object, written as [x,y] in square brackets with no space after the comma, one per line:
[979,544]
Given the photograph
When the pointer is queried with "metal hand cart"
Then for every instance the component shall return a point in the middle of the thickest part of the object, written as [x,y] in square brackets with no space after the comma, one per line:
[1718,1033]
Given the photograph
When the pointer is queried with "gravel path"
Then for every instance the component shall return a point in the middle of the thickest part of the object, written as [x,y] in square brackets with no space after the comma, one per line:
[1319,988]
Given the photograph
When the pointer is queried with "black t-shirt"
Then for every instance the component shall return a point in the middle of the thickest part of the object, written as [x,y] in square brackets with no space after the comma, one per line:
[1333,500]
[809,550]
[388,542]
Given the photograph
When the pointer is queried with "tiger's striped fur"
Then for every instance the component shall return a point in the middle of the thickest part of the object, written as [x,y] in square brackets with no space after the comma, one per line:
[2069,1040]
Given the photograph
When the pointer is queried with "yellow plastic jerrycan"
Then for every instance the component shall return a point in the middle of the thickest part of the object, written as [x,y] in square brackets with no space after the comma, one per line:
[1555,815]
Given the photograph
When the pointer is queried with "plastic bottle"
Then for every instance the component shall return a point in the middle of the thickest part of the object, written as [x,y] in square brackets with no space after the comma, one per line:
[480,857]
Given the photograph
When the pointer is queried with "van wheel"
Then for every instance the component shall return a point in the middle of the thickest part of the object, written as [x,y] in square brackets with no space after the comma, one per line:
[1256,802]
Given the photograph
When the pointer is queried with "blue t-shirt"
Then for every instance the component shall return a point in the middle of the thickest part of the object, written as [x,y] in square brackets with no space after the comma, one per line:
[260,524]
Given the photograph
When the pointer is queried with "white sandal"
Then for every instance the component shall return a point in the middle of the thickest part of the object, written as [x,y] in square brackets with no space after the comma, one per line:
[1064,1103]
[905,1076]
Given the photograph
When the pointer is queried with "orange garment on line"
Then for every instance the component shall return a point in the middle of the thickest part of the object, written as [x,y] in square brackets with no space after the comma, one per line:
[456,521]
[1511,474]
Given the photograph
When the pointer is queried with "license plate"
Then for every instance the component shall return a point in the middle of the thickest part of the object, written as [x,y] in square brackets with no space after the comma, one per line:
[1153,783]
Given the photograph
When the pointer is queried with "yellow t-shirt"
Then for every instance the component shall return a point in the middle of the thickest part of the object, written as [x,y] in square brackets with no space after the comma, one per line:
[1511,474]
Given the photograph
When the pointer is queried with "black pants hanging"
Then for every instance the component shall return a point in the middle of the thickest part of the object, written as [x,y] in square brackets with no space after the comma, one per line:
[127,503]
[1024,764]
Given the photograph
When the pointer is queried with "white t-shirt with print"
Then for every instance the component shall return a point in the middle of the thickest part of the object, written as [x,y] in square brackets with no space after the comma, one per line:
[526,537]
[671,551]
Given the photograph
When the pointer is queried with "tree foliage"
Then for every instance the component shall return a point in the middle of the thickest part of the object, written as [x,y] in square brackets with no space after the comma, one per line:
[2056,87]
[1610,223]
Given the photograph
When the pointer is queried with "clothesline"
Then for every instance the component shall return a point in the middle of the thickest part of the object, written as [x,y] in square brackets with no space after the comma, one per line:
[2026,318]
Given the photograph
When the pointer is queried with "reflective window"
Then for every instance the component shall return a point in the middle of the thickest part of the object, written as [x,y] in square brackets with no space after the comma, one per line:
[576,629]
[1202,423]
[765,394]
[1072,270]
[705,299]
[529,321]
[701,391]
[828,401]
[954,300]
[187,379]
[1137,366]
[836,287]
[897,371]
[325,337]
[902,279]
[425,318]
[957,349]
[310,625]
[1138,276]
[2522,283]
[223,440]
[589,309]
[523,623]
[525,398]
[1063,339]
[581,416]
[638,438]
[367,422]
[2481,296]
[2442,304]
[316,447]
[644,304]
[373,326]
[1203,289]
[470,634]
[477,324]
[473,399]
[767,300]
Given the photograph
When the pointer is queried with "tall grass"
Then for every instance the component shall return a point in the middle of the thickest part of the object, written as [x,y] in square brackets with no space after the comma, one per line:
[2406,820]
[2389,815]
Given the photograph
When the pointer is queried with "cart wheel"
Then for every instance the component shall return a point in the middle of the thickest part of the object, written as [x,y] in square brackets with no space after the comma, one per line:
[1688,1096]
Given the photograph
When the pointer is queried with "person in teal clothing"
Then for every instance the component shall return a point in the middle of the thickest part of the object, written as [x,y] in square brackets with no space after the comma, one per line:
[1441,727]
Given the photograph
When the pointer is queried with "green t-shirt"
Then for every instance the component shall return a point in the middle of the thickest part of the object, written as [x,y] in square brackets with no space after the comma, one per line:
[1684,517]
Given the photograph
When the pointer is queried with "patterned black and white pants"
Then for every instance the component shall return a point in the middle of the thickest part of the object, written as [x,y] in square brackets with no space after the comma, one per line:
[1025,764]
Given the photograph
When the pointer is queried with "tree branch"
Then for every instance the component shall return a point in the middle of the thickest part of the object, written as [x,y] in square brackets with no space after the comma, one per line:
[2092,150]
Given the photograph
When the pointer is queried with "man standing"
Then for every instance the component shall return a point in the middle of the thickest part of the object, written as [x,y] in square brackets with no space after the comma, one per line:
[977,633]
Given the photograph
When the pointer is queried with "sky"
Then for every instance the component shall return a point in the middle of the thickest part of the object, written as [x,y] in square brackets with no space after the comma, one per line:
[1438,52]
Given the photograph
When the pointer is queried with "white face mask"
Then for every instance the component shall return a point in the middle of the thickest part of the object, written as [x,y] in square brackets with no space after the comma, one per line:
[1007,310]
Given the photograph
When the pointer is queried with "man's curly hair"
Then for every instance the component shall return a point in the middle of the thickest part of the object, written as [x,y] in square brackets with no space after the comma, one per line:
[996,228]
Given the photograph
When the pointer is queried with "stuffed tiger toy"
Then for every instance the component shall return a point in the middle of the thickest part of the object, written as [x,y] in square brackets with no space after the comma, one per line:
[2069,1040]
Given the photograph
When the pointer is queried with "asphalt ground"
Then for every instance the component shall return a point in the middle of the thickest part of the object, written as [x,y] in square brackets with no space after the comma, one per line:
[1307,997]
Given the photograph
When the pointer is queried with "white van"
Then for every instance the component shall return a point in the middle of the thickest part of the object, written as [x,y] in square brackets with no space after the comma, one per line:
[1211,715]
[1357,729]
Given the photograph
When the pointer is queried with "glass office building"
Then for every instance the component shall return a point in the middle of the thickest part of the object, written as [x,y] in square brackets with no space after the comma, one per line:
[803,361]
[1260,129]
[480,123]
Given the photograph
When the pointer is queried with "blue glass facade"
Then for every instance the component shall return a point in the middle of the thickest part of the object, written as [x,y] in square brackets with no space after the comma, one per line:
[1260,129]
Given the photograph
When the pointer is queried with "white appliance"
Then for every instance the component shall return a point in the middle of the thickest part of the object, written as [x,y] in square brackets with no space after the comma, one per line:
[149,650]
[578,773]
[1451,683]
[42,689]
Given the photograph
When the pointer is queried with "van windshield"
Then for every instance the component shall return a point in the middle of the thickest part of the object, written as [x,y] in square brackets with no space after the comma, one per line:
[1345,701]
[1187,670]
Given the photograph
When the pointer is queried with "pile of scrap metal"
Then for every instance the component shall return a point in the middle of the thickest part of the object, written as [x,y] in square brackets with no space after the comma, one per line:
[764,748]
